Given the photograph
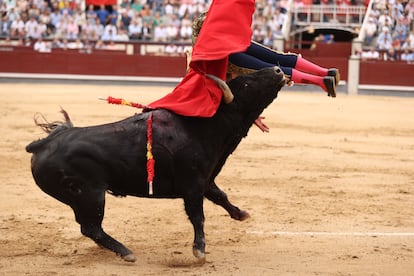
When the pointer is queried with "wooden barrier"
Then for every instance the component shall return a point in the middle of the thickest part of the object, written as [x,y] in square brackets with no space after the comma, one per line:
[101,62]
[118,63]
[386,73]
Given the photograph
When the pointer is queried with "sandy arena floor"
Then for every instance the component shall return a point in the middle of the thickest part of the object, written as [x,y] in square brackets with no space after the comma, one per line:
[330,191]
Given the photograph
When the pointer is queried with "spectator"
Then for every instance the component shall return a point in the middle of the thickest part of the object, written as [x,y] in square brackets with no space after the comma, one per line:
[91,14]
[199,7]
[102,14]
[371,54]
[72,29]
[146,13]
[278,19]
[258,33]
[169,8]
[328,38]
[384,20]
[98,28]
[125,19]
[79,17]
[410,8]
[185,9]
[31,27]
[124,4]
[268,39]
[65,7]
[187,19]
[4,26]
[45,18]
[157,20]
[77,44]
[411,36]
[42,46]
[171,32]
[62,16]
[110,31]
[55,18]
[370,31]
[384,41]
[35,32]
[56,43]
[17,28]
[87,46]
[391,55]
[146,31]
[87,30]
[122,35]
[171,49]
[408,44]
[43,29]
[135,30]
[400,35]
[136,6]
[406,19]
[160,33]
[186,32]
[399,7]
[157,5]
[113,15]
[176,22]
[408,56]
[12,14]
[109,35]
[100,45]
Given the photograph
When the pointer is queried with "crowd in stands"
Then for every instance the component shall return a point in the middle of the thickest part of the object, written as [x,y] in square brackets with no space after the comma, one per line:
[389,33]
[67,24]
[62,23]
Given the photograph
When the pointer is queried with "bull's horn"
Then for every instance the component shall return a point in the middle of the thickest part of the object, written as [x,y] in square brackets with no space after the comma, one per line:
[227,95]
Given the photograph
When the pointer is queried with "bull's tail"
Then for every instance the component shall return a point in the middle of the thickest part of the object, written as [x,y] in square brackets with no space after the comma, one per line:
[50,128]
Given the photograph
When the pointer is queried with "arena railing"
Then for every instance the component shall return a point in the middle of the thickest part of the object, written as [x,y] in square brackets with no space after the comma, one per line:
[329,15]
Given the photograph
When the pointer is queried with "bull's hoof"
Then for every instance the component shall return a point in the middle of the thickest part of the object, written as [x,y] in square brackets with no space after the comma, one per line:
[199,254]
[129,258]
[243,215]
[240,215]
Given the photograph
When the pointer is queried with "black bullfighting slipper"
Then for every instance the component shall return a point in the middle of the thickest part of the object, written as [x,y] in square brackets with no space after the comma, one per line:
[333,72]
[330,86]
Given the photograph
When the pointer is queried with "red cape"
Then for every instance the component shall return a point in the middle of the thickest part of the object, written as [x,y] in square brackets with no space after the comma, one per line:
[226,30]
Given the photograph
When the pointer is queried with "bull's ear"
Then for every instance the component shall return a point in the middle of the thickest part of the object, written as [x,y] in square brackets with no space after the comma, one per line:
[227,94]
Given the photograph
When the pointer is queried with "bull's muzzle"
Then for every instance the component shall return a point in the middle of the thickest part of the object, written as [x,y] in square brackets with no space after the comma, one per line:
[278,71]
[227,94]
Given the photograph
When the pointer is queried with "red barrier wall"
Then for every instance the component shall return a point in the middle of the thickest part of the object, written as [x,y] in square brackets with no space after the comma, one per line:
[118,63]
[386,73]
[103,62]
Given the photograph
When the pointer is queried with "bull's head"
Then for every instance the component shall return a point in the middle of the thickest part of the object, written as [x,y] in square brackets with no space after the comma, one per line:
[255,91]
[274,75]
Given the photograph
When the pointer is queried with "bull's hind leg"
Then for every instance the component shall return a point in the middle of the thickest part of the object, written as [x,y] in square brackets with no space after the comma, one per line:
[89,212]
[219,197]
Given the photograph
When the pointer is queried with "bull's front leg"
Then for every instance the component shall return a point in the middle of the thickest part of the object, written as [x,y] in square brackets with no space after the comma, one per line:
[219,197]
[194,209]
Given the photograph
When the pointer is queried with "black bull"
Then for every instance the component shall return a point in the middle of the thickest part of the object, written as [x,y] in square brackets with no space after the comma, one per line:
[77,165]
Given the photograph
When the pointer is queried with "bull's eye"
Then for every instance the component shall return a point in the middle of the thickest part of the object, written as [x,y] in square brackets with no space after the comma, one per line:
[246,85]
